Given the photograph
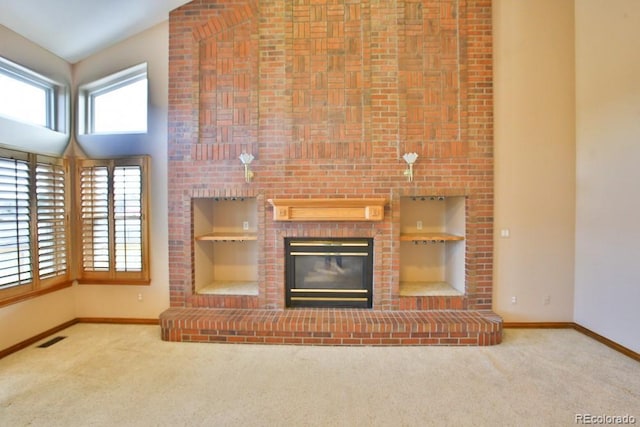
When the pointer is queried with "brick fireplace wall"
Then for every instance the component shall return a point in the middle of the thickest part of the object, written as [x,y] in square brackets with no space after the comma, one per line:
[328,95]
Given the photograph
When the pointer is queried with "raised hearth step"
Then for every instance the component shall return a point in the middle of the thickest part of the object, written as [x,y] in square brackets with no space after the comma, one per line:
[310,326]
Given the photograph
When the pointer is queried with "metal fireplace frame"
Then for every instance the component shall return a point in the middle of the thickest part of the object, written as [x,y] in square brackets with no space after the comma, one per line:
[335,250]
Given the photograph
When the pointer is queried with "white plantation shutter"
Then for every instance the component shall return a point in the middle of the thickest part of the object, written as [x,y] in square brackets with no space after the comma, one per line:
[94,213]
[127,195]
[52,220]
[15,219]
[113,223]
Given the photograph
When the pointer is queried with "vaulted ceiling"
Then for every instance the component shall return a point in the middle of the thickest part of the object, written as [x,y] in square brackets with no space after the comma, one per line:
[76,29]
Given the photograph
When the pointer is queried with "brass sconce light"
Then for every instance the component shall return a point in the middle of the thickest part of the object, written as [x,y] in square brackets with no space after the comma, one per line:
[246,159]
[410,158]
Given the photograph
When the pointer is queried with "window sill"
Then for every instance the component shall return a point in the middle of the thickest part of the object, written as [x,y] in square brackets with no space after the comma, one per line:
[32,138]
[33,294]
[119,282]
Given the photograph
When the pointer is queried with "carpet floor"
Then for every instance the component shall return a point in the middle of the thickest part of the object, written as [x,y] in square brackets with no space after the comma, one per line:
[124,375]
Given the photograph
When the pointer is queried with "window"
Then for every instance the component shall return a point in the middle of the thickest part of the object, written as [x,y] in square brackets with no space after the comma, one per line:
[113,228]
[27,96]
[33,223]
[52,220]
[115,104]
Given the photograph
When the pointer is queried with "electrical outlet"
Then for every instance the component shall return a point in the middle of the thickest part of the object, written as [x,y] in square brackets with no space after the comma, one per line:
[514,300]
[505,233]
[547,300]
[245,225]
[419,225]
[139,297]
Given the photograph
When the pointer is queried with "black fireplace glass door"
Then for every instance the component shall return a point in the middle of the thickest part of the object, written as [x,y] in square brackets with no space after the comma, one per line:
[330,271]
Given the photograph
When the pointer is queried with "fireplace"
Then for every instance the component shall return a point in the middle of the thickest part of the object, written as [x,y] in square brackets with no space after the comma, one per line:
[329,272]
[328,158]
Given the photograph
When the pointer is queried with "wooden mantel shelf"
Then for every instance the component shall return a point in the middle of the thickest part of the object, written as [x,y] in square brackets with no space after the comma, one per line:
[332,209]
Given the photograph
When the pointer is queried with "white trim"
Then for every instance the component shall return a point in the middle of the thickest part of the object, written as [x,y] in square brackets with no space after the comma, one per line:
[53,91]
[87,93]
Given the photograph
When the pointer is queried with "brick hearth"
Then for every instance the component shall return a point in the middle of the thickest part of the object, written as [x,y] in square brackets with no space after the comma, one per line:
[331,327]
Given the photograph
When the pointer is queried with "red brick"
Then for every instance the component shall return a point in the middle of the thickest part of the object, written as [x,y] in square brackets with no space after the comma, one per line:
[371,82]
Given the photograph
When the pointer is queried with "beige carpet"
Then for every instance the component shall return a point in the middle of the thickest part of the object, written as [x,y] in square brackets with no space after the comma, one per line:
[124,375]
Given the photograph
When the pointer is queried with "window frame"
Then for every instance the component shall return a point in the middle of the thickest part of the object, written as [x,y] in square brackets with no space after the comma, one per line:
[53,90]
[111,276]
[39,284]
[89,91]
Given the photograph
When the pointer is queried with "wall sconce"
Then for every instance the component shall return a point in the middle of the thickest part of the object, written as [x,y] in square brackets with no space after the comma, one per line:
[410,158]
[246,159]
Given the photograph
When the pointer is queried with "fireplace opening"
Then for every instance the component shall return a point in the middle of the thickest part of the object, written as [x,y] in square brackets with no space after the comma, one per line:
[329,272]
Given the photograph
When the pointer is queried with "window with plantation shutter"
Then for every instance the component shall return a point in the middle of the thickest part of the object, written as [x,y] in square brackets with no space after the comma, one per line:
[94,214]
[113,220]
[52,220]
[34,225]
[127,195]
[15,220]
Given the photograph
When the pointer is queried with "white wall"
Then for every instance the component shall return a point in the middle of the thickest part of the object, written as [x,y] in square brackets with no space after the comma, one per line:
[26,319]
[534,159]
[151,46]
[608,169]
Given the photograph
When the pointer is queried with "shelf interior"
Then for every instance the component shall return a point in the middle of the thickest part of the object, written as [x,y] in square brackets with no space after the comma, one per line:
[226,250]
[430,237]
[432,250]
[227,237]
[414,289]
[224,287]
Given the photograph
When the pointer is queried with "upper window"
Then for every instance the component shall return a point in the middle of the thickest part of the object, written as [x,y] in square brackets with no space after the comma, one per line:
[27,96]
[115,104]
